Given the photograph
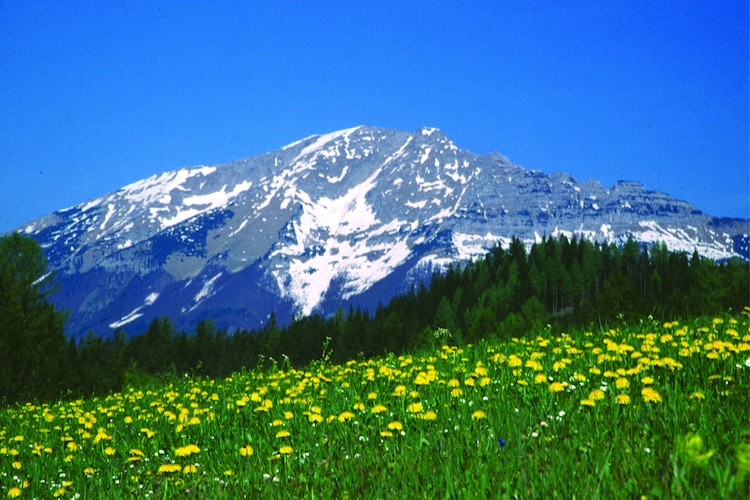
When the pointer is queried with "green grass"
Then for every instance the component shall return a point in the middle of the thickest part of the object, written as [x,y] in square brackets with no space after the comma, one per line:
[529,418]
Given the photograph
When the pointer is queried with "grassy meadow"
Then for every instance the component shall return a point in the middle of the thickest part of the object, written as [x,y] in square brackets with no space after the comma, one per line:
[642,410]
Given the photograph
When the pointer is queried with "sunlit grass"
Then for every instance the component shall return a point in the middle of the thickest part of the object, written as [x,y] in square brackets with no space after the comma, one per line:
[648,409]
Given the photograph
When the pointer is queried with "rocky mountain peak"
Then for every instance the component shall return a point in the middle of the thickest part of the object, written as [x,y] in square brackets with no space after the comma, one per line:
[352,216]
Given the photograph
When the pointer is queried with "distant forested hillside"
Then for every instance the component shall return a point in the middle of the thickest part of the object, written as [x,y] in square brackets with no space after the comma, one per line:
[511,292]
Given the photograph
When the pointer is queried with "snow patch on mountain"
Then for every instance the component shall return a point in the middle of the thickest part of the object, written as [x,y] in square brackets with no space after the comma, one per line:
[206,291]
[157,188]
[217,198]
[682,240]
[470,246]
[135,313]
[205,202]
[358,262]
[322,140]
[334,180]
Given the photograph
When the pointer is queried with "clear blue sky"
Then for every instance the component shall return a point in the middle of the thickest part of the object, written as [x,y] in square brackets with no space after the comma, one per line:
[95,95]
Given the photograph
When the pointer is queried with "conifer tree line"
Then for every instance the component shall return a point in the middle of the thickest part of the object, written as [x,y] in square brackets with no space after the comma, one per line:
[558,284]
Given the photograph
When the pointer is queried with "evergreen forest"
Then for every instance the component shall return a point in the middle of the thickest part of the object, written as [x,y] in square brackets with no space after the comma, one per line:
[556,284]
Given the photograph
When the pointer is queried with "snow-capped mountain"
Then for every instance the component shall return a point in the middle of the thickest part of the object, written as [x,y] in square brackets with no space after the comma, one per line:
[353,216]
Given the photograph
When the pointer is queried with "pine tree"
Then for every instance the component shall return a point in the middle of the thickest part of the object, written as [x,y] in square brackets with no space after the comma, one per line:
[33,345]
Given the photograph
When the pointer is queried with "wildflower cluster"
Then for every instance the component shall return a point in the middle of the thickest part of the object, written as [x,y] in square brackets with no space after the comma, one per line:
[456,417]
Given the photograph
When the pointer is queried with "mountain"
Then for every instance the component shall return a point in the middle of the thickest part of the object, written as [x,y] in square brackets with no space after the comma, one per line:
[350,217]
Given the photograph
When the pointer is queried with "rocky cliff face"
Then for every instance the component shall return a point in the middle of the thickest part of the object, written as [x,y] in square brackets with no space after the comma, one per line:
[353,216]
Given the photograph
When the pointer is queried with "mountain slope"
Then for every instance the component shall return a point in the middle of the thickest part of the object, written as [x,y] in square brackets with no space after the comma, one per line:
[356,215]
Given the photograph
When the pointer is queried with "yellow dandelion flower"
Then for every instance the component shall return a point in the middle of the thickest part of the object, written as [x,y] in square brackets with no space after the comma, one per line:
[169,468]
[228,472]
[359,406]
[277,423]
[400,390]
[186,451]
[540,378]
[395,425]
[378,409]
[89,471]
[315,418]
[484,381]
[345,416]
[189,469]
[286,450]
[386,434]
[698,395]
[587,402]
[288,415]
[429,415]
[246,451]
[647,380]
[14,492]
[650,395]
[622,383]
[282,434]
[622,399]
[478,415]
[414,407]
[109,451]
[534,365]
[556,386]
[17,465]
[596,395]
[456,392]
[372,395]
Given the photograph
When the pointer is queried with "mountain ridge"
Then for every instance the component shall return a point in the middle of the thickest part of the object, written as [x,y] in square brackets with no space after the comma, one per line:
[321,221]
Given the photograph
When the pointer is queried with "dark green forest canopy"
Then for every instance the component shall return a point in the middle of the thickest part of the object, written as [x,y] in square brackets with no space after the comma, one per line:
[558,283]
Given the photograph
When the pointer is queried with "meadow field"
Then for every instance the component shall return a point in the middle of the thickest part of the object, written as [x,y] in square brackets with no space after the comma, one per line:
[654,410]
